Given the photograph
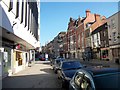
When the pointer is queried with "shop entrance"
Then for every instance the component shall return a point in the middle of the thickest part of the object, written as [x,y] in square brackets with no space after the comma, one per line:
[19,58]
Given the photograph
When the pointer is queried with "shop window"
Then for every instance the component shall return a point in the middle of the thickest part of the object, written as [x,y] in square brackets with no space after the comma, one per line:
[104,53]
[115,52]
[19,58]
[118,52]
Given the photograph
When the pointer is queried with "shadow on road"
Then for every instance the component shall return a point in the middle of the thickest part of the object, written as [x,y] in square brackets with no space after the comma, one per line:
[32,81]
[47,70]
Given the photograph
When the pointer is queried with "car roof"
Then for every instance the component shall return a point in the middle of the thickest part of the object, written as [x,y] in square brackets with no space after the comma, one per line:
[99,70]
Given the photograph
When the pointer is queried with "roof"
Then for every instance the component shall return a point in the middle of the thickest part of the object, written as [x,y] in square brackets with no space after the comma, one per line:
[99,29]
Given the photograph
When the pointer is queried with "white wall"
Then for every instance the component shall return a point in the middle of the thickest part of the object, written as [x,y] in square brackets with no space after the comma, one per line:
[18,29]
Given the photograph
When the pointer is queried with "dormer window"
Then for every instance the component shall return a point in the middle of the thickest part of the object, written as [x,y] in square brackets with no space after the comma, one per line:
[88,25]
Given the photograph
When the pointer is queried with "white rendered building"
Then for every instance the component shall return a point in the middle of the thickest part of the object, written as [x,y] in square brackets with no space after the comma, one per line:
[19,34]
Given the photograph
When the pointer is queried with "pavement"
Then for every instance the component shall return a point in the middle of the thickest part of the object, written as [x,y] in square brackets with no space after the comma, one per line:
[39,75]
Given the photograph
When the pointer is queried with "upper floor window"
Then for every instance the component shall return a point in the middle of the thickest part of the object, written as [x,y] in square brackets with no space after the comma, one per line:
[22,11]
[26,14]
[88,25]
[10,5]
[113,23]
[104,33]
[17,8]
[114,36]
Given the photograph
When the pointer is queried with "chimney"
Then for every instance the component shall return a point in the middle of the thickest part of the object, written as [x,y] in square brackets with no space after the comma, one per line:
[97,17]
[87,13]
[79,20]
[103,18]
[71,19]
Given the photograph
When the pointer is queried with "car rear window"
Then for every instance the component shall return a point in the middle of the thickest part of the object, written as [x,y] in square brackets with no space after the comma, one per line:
[68,65]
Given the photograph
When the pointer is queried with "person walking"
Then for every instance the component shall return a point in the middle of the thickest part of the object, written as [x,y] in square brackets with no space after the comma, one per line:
[46,56]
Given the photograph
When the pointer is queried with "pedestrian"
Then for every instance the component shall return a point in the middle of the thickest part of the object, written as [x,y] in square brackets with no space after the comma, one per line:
[46,56]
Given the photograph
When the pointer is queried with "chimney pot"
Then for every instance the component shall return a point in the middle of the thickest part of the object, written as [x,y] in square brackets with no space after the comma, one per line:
[87,12]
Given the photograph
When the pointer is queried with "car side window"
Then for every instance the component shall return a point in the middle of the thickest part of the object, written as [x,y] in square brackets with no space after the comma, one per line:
[82,82]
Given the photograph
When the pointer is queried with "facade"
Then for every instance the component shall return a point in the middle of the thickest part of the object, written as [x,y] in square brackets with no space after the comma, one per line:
[61,42]
[56,47]
[71,38]
[79,35]
[100,43]
[79,38]
[104,42]
[64,43]
[95,35]
[114,36]
[20,35]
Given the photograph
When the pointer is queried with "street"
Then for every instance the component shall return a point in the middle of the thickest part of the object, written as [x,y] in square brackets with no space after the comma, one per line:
[39,75]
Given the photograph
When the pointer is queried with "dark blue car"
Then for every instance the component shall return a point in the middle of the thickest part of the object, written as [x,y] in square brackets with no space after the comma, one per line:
[67,70]
[96,78]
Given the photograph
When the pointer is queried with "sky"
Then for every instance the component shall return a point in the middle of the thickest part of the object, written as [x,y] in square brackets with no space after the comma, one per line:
[54,16]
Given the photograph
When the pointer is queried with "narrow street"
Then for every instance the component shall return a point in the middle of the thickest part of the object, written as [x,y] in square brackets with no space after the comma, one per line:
[39,75]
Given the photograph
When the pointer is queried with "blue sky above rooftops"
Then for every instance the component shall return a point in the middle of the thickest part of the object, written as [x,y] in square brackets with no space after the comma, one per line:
[54,16]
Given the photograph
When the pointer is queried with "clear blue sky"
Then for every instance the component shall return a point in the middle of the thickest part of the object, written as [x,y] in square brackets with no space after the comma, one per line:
[54,16]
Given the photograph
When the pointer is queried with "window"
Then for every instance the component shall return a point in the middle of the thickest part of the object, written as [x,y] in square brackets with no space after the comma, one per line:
[17,9]
[10,5]
[113,23]
[26,14]
[88,25]
[104,33]
[19,58]
[22,10]
[114,36]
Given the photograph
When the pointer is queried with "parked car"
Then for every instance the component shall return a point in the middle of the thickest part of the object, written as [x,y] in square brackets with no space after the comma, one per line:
[57,63]
[96,78]
[54,59]
[67,70]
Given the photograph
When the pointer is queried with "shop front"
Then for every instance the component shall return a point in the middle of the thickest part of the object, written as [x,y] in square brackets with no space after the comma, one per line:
[105,54]
[116,54]
[20,58]
[5,57]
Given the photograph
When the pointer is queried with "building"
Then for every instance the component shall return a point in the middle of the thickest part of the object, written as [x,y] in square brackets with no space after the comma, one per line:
[100,42]
[64,43]
[71,38]
[79,35]
[79,38]
[96,37]
[20,35]
[114,36]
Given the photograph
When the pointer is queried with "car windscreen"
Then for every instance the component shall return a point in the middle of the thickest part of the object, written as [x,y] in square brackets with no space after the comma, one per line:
[71,65]
[57,61]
